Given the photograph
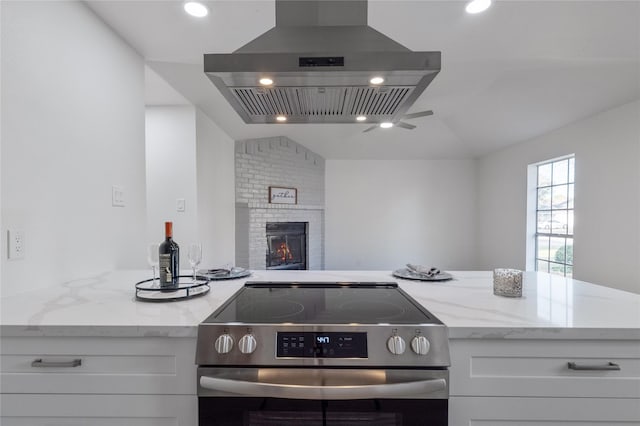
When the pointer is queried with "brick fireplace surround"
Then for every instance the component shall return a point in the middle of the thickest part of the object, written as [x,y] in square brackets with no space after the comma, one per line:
[277,161]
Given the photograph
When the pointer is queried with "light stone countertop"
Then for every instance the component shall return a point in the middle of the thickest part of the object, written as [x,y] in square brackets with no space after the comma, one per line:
[552,307]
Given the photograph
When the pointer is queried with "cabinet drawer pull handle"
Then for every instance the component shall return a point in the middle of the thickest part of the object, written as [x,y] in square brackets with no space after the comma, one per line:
[57,364]
[610,366]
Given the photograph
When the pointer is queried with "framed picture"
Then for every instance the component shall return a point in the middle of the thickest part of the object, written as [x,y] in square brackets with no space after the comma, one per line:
[283,195]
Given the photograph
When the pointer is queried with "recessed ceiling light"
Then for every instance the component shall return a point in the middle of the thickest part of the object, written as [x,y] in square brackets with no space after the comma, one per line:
[196,9]
[361,118]
[477,6]
[376,80]
[386,125]
[266,81]
[281,118]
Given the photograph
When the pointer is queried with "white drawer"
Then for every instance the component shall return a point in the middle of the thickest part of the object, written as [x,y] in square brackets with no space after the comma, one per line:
[491,411]
[98,365]
[481,367]
[98,410]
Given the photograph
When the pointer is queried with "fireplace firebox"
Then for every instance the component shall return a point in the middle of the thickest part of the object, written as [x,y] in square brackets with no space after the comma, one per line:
[287,245]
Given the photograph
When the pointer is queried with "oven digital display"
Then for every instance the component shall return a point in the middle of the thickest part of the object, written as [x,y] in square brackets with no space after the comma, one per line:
[321,345]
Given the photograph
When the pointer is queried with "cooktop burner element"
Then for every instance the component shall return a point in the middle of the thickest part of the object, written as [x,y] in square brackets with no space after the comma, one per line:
[329,324]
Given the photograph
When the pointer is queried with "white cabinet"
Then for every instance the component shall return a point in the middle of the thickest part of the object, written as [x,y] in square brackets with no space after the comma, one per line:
[510,381]
[98,410]
[101,381]
[516,411]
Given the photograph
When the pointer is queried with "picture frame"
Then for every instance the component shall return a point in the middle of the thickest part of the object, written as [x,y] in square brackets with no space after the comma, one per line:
[283,195]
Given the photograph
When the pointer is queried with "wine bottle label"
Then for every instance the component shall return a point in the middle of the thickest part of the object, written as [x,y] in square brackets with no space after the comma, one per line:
[166,277]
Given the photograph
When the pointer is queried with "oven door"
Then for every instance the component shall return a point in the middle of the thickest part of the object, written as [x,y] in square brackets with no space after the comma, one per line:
[322,397]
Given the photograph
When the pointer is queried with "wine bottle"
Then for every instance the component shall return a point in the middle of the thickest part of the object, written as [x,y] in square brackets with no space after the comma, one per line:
[169,256]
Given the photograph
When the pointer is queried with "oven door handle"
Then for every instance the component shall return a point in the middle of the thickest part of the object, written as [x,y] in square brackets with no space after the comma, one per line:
[418,389]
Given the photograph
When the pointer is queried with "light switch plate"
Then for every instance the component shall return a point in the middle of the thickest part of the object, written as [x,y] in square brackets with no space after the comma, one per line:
[180,204]
[117,196]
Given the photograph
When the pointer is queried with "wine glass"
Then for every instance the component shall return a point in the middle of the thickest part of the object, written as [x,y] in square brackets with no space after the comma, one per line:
[195,257]
[153,258]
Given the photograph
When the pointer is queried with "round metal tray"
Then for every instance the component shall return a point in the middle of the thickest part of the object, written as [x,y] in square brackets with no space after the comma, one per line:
[150,291]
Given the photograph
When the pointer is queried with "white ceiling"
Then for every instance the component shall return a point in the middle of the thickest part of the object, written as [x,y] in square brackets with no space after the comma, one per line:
[517,71]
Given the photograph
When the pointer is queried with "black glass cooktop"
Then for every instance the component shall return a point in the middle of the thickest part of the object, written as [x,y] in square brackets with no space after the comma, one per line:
[321,303]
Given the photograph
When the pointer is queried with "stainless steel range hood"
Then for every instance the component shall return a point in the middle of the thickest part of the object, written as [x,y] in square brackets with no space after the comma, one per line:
[321,56]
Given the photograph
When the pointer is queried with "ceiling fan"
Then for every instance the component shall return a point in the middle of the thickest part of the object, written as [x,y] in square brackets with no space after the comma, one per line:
[399,122]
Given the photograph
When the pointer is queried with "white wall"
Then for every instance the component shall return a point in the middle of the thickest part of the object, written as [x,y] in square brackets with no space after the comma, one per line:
[384,214]
[216,193]
[2,229]
[171,174]
[72,126]
[190,157]
[607,198]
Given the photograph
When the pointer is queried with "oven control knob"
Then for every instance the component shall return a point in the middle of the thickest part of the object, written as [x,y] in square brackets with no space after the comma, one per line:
[224,343]
[420,345]
[396,345]
[247,344]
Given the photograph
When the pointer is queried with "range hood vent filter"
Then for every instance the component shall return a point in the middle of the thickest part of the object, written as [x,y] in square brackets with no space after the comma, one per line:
[321,57]
[337,104]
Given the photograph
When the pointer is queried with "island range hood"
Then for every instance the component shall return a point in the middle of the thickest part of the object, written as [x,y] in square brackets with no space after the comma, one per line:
[320,58]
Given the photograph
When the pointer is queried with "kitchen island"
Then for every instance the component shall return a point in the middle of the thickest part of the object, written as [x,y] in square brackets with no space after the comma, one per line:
[509,356]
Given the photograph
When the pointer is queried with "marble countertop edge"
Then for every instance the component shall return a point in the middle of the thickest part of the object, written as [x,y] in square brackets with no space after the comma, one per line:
[498,333]
[98,331]
[545,333]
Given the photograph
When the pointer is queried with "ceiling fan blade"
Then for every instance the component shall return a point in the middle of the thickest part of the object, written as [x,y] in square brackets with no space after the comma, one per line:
[405,125]
[418,114]
[368,129]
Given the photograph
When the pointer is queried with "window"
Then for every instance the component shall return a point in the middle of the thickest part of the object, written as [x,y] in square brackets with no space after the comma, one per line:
[554,216]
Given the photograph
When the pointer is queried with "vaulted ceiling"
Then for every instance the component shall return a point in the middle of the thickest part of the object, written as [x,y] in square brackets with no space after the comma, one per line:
[516,71]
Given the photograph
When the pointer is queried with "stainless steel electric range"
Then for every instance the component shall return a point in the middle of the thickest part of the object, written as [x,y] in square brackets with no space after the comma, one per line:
[286,353]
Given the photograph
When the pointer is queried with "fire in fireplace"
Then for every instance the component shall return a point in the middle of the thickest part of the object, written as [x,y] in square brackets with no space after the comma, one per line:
[287,245]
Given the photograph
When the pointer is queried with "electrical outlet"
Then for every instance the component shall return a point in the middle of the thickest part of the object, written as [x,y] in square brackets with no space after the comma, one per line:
[117,196]
[15,238]
[180,204]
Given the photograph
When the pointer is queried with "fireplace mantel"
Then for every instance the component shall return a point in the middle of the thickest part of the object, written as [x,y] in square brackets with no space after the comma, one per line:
[258,205]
